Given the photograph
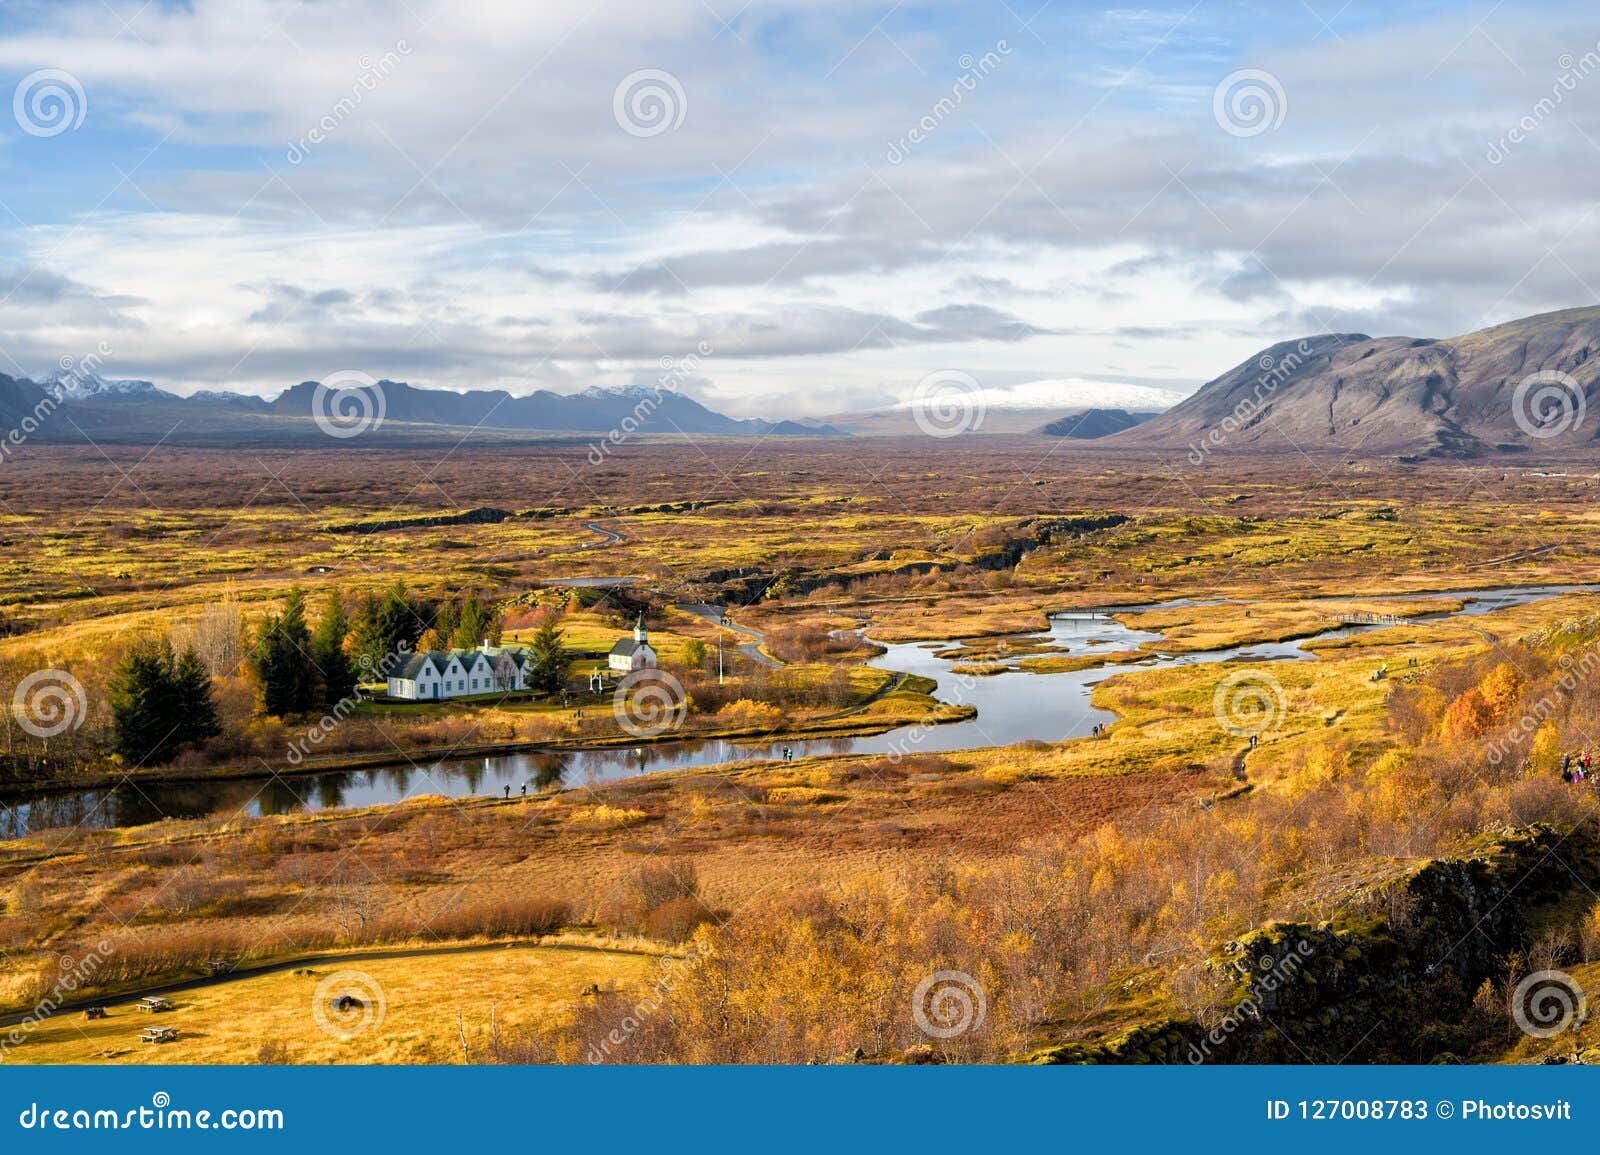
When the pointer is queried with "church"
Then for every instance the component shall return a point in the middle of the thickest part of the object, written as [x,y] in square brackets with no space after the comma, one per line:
[633,653]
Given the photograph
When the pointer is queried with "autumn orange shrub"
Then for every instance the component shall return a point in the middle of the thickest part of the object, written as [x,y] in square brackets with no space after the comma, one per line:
[747,714]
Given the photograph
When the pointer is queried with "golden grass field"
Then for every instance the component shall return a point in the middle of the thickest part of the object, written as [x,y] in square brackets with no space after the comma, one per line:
[805,552]
[416,1009]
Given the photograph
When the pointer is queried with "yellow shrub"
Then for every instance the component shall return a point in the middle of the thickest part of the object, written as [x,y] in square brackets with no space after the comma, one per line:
[1004,775]
[745,712]
[1501,688]
[803,795]
[609,817]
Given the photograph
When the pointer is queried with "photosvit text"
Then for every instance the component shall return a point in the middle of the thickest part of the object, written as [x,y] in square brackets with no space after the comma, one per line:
[1381,1110]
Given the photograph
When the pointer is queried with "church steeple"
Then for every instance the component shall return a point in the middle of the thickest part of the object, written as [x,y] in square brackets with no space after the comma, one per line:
[640,634]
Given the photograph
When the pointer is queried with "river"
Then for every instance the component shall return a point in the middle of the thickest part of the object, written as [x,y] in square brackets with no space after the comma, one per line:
[1011,707]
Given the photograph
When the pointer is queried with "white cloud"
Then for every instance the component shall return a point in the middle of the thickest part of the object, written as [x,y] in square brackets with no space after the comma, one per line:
[478,219]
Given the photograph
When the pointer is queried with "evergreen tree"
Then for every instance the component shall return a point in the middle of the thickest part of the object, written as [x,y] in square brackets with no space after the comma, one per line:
[365,644]
[473,625]
[339,674]
[191,682]
[549,658]
[268,663]
[384,623]
[158,704]
[282,660]
[142,703]
[445,623]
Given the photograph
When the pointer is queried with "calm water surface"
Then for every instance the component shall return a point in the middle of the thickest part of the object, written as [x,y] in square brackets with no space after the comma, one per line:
[1012,707]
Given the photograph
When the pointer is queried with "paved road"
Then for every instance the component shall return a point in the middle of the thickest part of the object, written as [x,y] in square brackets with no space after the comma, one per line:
[608,538]
[611,536]
[717,616]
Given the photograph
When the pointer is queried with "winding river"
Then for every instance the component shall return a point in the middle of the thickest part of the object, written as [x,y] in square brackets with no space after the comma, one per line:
[1014,706]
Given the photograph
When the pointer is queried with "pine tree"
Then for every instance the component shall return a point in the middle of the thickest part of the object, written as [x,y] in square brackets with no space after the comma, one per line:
[365,644]
[445,623]
[267,663]
[191,683]
[305,689]
[384,624]
[337,672]
[549,658]
[158,704]
[282,660]
[142,704]
[473,626]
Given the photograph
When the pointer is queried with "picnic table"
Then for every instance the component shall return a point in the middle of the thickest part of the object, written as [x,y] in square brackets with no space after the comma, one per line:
[94,1012]
[154,1003]
[158,1034]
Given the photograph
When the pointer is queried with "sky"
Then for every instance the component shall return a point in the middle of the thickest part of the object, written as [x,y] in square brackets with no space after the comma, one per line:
[795,208]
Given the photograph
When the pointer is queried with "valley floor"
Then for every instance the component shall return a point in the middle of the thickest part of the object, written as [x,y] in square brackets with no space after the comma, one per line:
[1338,795]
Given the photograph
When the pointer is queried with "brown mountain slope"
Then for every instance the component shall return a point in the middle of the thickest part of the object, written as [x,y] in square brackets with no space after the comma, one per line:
[1521,386]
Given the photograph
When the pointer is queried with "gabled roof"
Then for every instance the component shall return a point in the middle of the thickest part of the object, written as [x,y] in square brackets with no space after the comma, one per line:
[628,647]
[439,660]
[417,663]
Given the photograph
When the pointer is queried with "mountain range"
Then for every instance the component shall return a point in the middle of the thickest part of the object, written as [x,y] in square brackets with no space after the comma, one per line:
[1517,387]
[1522,386]
[1093,424]
[131,411]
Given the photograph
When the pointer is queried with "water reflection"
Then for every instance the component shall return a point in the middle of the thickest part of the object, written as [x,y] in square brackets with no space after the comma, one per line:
[1012,707]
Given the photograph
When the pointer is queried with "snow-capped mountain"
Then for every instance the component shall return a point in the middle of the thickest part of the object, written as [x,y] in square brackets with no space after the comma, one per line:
[237,400]
[77,386]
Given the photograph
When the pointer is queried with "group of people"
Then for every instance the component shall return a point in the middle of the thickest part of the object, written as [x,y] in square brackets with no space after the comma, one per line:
[1576,771]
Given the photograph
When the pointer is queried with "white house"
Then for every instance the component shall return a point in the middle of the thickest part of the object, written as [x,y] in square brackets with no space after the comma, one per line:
[633,653]
[438,674]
